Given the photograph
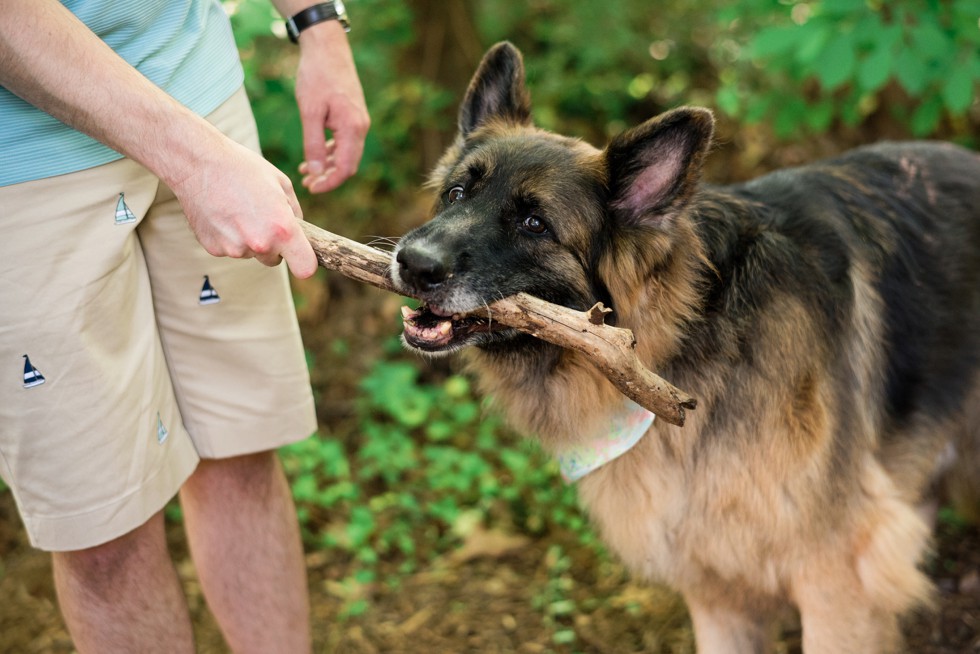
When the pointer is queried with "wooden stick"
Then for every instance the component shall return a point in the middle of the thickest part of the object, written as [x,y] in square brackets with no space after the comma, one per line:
[611,349]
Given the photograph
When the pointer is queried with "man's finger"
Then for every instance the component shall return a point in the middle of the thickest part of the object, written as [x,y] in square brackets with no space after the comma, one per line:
[270,260]
[299,255]
[314,146]
[313,180]
[290,193]
[346,158]
[328,181]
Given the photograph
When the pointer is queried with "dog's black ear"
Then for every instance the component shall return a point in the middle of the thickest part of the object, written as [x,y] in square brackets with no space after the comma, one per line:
[655,167]
[496,91]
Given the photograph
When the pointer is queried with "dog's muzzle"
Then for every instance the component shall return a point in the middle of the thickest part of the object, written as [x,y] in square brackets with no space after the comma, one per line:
[440,324]
[422,267]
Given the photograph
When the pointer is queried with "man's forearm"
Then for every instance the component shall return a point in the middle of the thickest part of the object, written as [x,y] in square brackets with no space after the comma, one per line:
[52,60]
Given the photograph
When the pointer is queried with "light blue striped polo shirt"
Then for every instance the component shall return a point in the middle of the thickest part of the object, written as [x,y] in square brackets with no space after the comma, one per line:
[183,46]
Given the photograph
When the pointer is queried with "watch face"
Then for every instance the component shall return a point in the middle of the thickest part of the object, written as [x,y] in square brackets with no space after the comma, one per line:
[339,6]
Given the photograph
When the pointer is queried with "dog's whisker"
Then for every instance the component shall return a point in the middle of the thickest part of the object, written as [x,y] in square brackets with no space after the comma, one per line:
[389,273]
[383,242]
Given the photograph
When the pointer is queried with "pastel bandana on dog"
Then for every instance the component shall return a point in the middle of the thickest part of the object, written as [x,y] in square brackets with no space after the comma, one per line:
[626,430]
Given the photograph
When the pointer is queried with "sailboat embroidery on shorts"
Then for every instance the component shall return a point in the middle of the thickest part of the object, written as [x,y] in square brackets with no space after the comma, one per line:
[208,294]
[32,376]
[124,215]
[162,432]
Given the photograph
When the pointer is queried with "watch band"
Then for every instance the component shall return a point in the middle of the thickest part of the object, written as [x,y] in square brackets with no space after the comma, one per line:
[317,13]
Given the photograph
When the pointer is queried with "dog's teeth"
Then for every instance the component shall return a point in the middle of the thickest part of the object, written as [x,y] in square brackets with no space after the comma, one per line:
[407,314]
[445,327]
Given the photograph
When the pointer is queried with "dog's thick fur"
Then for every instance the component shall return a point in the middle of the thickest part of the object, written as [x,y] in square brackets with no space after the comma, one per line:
[827,318]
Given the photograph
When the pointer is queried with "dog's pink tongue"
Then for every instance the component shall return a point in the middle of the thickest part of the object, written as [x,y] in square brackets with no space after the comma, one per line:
[436,335]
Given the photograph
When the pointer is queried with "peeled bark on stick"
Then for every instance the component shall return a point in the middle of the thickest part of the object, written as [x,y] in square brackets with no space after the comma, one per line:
[611,349]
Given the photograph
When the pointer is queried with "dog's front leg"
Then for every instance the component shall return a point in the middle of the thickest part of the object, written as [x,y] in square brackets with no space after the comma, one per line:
[726,630]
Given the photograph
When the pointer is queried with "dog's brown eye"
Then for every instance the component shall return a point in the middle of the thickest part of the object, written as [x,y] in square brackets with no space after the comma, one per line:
[455,193]
[534,225]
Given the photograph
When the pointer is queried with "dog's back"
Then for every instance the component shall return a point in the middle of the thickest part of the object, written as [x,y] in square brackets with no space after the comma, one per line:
[884,245]
[881,249]
[835,356]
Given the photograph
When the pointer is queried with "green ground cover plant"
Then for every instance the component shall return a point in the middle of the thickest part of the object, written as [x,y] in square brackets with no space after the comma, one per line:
[428,465]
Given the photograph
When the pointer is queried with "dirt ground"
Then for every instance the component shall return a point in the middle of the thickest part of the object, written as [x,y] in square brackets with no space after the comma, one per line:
[482,600]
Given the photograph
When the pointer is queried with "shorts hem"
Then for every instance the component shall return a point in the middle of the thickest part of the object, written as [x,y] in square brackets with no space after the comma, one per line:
[257,438]
[99,526]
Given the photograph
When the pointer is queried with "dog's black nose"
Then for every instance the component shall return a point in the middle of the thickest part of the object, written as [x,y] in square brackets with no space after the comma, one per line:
[423,267]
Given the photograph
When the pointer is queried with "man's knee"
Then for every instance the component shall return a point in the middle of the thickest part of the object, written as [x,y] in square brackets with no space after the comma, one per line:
[248,475]
[100,569]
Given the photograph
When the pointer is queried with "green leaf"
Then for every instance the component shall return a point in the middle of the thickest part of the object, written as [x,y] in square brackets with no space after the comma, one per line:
[812,40]
[457,387]
[927,116]
[911,71]
[355,608]
[440,430]
[957,92]
[759,107]
[304,488]
[360,527]
[819,115]
[842,7]
[850,111]
[727,100]
[465,412]
[875,69]
[837,62]
[772,41]
[964,13]
[790,116]
[337,492]
[929,41]
[562,607]
[364,576]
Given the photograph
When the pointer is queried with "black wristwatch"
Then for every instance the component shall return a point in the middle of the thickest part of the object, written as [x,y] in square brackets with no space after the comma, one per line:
[318,13]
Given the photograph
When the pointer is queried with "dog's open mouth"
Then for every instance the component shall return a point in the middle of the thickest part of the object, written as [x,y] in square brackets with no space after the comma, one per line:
[426,328]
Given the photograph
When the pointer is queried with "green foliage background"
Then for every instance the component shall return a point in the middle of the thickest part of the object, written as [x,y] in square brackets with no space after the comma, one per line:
[799,68]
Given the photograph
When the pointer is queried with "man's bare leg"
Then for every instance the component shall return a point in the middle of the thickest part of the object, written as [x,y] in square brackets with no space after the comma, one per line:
[124,595]
[244,538]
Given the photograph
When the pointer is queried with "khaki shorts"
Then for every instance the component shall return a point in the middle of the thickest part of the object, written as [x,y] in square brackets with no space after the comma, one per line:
[127,352]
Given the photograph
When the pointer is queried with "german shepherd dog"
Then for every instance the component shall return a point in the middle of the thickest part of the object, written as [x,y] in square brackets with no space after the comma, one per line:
[826,317]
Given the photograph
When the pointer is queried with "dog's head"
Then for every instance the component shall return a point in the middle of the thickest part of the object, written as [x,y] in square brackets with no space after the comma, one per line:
[521,209]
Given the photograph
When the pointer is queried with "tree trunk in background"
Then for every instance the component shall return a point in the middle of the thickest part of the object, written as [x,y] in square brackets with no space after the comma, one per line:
[447,53]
